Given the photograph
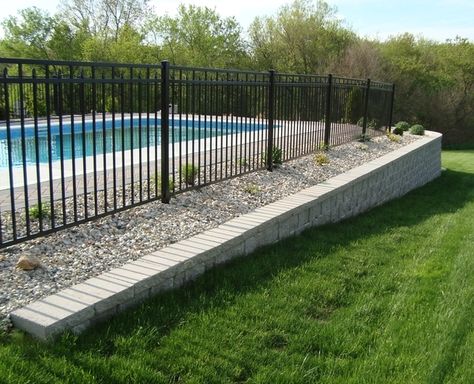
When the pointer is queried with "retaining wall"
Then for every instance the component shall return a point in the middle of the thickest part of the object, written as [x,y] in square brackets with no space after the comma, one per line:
[340,197]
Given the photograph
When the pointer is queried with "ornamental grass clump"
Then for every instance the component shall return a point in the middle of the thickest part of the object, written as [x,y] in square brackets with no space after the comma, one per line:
[252,189]
[39,211]
[156,181]
[393,137]
[277,156]
[189,173]
[321,158]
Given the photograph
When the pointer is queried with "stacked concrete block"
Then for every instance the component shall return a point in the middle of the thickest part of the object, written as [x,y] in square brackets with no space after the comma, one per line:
[343,196]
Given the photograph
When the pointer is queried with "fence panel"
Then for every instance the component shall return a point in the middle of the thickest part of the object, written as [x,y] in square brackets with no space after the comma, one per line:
[79,141]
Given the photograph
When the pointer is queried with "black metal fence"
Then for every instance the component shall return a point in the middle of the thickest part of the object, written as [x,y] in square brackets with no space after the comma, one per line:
[82,140]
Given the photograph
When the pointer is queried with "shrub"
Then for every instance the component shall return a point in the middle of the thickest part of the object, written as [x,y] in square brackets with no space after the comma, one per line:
[403,125]
[189,173]
[397,131]
[394,138]
[363,137]
[321,158]
[39,211]
[417,129]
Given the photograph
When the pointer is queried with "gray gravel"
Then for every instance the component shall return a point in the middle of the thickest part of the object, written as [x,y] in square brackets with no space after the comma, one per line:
[73,255]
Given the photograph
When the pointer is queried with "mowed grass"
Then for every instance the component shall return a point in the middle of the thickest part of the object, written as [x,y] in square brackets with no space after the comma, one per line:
[387,297]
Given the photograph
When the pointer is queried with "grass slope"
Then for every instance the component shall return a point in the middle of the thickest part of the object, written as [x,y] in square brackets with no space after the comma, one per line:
[384,297]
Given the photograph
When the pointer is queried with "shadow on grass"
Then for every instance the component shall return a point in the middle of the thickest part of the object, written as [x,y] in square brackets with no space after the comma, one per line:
[221,286]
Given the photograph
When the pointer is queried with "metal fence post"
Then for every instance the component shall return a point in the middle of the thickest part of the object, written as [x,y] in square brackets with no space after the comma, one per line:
[390,118]
[366,107]
[327,128]
[271,113]
[165,97]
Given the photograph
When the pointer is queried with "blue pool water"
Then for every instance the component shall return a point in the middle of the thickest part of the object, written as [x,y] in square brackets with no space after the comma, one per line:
[108,133]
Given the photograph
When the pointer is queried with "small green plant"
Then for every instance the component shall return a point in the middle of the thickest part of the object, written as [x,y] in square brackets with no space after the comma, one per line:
[39,211]
[397,131]
[394,138]
[403,125]
[363,147]
[156,180]
[364,137]
[243,162]
[277,156]
[374,124]
[321,158]
[322,147]
[189,173]
[417,129]
[252,189]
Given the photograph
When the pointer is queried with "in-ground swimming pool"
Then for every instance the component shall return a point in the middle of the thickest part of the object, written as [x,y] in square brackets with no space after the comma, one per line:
[109,136]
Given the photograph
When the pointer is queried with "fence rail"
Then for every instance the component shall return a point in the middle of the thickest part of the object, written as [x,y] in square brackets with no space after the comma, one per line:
[80,141]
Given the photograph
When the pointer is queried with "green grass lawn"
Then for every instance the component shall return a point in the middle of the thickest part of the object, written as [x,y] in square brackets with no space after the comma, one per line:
[387,297]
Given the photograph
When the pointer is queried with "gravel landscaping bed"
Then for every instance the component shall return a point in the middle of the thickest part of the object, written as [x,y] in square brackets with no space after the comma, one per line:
[73,255]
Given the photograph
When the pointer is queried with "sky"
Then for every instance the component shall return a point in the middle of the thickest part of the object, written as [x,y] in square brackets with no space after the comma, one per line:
[436,19]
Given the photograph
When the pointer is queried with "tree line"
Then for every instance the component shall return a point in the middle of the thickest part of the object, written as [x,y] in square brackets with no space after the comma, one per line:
[434,80]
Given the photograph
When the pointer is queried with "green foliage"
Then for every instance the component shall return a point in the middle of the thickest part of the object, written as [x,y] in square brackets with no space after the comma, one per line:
[309,33]
[417,129]
[156,181]
[363,298]
[189,173]
[243,162]
[403,125]
[322,147]
[252,189]
[353,105]
[198,36]
[398,131]
[371,123]
[435,81]
[374,124]
[321,158]
[363,147]
[277,156]
[394,137]
[39,211]
[105,19]
[36,34]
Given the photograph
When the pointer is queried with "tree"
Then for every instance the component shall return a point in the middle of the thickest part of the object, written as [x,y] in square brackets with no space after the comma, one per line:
[361,59]
[304,37]
[105,18]
[28,35]
[198,36]
[127,48]
[36,34]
